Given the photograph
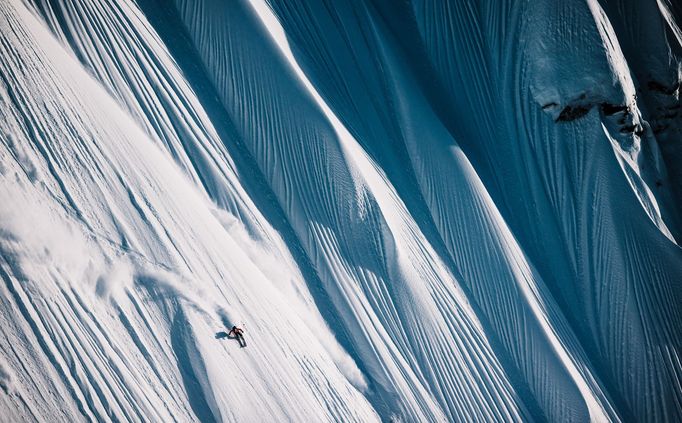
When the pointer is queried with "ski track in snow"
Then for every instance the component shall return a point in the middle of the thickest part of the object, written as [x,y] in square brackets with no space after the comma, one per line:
[419,211]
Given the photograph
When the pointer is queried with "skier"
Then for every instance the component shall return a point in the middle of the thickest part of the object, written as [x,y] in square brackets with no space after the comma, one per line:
[239,334]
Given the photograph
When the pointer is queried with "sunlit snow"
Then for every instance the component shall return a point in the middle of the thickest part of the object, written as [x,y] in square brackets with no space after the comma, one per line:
[416,210]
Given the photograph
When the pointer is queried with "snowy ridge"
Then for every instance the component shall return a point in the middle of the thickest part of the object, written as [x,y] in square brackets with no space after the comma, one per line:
[129,369]
[425,211]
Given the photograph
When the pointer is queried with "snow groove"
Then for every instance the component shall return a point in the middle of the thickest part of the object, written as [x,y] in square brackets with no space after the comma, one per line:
[424,211]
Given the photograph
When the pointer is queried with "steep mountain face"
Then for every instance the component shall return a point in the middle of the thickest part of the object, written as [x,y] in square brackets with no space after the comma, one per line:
[418,211]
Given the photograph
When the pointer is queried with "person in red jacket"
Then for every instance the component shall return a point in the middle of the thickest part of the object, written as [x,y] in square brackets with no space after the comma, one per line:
[239,334]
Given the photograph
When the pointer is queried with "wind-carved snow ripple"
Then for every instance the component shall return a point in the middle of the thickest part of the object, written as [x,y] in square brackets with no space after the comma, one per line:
[73,159]
[492,218]
[487,71]
[354,246]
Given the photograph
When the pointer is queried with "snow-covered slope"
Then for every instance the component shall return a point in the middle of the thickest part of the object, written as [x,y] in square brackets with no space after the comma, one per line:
[419,211]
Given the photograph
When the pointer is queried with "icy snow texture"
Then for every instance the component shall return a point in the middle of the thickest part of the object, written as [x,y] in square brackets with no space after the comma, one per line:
[420,211]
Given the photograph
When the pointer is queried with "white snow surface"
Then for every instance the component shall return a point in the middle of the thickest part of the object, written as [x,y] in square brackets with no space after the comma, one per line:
[418,210]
